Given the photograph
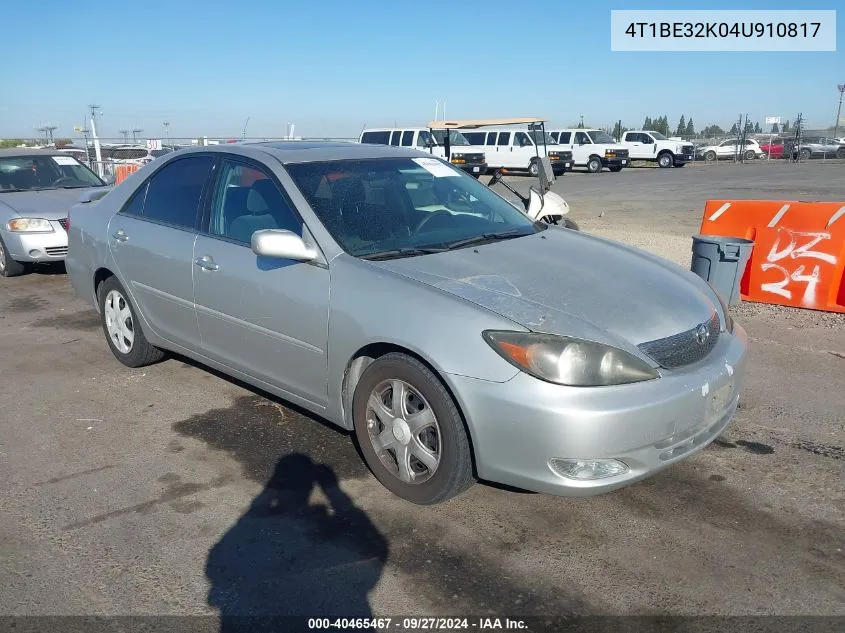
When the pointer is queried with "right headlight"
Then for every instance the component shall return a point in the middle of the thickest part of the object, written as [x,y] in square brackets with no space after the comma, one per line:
[30,225]
[570,361]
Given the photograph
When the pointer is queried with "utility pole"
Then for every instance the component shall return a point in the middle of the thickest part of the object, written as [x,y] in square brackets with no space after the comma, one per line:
[43,130]
[167,132]
[135,134]
[243,134]
[581,125]
[97,154]
[125,134]
[841,89]
[799,124]
[49,129]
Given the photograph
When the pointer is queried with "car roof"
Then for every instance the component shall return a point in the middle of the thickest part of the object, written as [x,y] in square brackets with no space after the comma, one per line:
[27,151]
[289,152]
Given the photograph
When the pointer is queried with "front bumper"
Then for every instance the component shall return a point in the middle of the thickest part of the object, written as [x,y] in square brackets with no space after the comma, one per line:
[518,426]
[473,169]
[615,162]
[562,166]
[684,158]
[37,247]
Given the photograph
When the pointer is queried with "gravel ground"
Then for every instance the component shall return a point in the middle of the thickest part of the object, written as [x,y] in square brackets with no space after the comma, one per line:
[174,490]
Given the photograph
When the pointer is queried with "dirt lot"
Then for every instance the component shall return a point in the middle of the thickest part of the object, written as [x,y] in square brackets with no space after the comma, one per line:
[166,490]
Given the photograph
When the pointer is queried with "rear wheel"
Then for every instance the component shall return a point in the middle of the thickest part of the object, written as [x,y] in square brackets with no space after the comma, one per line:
[120,325]
[665,160]
[534,168]
[410,431]
[8,266]
[594,165]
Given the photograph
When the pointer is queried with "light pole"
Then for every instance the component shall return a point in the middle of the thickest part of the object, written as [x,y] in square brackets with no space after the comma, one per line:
[841,88]
[167,132]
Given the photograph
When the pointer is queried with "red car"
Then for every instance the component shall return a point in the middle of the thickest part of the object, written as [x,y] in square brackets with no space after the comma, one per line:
[773,148]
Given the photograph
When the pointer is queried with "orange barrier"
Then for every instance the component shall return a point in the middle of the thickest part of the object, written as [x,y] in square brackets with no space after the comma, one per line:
[122,172]
[798,257]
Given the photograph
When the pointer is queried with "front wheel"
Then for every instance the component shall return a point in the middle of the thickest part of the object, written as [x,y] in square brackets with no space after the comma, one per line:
[410,431]
[120,325]
[665,160]
[594,165]
[710,156]
[8,266]
[750,155]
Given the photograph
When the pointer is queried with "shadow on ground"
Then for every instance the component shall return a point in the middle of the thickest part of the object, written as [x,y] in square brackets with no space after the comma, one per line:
[289,557]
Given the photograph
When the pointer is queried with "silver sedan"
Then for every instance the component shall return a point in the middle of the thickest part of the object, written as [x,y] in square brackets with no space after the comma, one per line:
[403,300]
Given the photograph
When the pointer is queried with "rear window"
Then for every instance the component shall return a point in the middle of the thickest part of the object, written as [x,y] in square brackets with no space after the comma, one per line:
[376,138]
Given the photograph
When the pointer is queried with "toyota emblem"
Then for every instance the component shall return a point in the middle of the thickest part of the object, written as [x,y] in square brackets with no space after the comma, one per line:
[702,334]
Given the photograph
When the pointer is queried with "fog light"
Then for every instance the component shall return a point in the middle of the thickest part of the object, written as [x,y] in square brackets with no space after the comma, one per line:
[587,469]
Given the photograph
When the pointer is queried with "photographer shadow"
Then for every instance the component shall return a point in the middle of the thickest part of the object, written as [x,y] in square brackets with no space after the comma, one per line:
[286,560]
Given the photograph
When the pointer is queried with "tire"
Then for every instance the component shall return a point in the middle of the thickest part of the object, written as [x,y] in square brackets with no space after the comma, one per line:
[451,459]
[750,155]
[615,170]
[806,154]
[533,169]
[710,156]
[571,224]
[840,153]
[594,165]
[138,352]
[665,160]
[8,266]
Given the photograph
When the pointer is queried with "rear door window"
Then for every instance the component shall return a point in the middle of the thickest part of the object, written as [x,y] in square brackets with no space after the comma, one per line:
[504,138]
[174,192]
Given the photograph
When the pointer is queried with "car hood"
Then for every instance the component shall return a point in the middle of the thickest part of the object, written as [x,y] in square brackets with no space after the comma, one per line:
[570,283]
[50,204]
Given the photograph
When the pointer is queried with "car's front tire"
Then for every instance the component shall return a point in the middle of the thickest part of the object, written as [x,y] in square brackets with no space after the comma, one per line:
[594,165]
[410,431]
[666,160]
[710,156]
[8,266]
[123,331]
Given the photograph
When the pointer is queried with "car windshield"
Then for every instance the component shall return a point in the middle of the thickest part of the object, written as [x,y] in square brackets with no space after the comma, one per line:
[405,206]
[538,137]
[600,137]
[34,173]
[455,138]
[658,136]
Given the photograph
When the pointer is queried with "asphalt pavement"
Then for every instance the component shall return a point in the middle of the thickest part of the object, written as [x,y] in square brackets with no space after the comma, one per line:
[174,490]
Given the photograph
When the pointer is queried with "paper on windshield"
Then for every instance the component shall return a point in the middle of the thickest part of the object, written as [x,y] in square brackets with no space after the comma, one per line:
[437,168]
[64,160]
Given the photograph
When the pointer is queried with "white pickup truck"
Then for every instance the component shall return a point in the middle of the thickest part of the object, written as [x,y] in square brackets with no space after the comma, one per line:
[654,146]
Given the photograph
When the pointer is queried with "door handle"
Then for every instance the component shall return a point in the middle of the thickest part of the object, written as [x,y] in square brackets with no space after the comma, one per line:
[206,263]
[120,235]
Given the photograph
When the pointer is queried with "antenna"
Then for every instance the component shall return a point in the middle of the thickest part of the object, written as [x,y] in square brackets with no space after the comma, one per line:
[125,134]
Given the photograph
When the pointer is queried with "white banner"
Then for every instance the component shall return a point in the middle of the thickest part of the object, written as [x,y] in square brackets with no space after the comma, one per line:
[772,119]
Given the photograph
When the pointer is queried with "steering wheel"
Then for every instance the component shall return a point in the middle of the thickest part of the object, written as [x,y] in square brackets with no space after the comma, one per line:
[429,217]
[63,180]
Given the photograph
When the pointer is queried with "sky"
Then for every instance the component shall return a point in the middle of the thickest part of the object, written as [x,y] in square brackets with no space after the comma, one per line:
[332,67]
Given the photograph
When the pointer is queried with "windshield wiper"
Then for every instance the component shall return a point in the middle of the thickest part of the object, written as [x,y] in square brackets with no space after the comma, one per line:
[403,252]
[487,237]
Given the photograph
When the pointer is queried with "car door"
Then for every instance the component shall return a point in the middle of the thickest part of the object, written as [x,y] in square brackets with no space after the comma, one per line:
[504,151]
[522,150]
[636,148]
[152,241]
[265,317]
[726,148]
[581,147]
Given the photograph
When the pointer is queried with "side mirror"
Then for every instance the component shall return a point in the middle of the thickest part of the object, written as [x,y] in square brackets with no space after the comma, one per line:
[281,244]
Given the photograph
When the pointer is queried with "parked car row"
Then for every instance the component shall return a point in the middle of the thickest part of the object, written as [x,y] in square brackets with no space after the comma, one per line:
[774,148]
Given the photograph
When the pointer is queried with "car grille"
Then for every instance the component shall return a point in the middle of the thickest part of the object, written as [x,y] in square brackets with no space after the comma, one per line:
[56,251]
[688,149]
[684,348]
[474,158]
[63,222]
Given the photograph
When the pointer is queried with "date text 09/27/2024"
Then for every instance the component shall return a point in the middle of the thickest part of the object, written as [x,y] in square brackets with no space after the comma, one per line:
[417,624]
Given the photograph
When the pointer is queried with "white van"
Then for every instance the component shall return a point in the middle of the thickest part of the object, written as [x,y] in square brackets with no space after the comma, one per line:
[470,160]
[518,149]
[593,149]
